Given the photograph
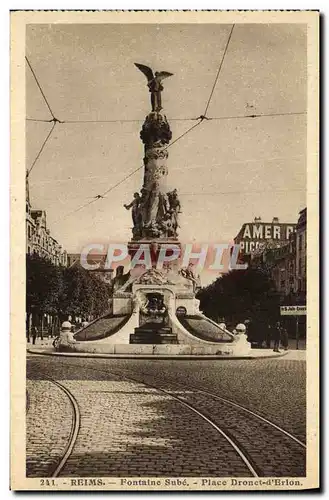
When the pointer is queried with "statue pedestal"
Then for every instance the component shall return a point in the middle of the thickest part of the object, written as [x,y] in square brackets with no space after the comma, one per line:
[154,248]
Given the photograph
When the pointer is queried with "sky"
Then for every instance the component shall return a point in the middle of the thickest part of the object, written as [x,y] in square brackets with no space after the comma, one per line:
[226,171]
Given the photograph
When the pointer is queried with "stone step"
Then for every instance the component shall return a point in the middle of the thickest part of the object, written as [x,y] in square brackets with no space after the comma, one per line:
[153,337]
[153,330]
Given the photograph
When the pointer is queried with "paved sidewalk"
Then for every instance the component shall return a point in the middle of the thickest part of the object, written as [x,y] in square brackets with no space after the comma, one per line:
[296,355]
[48,427]
[45,342]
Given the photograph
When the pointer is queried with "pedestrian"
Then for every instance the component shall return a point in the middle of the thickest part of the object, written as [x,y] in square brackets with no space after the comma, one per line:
[284,338]
[268,336]
[34,332]
[277,336]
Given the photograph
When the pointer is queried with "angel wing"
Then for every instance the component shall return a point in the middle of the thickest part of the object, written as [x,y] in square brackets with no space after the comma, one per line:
[162,75]
[146,70]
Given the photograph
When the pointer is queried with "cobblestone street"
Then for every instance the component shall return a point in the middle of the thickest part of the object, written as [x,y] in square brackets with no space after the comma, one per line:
[165,417]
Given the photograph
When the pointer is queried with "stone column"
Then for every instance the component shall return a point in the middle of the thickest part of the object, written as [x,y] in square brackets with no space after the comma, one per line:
[155,135]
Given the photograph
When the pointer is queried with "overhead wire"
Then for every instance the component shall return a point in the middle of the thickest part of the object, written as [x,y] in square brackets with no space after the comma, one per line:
[103,195]
[200,119]
[251,191]
[38,120]
[74,179]
[82,206]
[39,86]
[219,70]
[200,193]
[53,120]
[104,121]
[118,120]
[122,180]
[260,115]
[183,135]
[42,148]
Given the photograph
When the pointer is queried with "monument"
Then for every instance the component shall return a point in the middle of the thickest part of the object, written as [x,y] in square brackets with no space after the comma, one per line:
[154,311]
[155,210]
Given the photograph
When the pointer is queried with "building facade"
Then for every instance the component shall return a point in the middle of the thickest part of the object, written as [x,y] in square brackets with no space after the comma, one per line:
[38,238]
[285,260]
[254,237]
[102,272]
[280,261]
[301,249]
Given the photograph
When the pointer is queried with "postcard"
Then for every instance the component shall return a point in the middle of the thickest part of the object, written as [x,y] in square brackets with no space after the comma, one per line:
[164,250]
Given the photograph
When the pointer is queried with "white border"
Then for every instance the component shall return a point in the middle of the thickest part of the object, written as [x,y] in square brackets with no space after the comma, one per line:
[4,197]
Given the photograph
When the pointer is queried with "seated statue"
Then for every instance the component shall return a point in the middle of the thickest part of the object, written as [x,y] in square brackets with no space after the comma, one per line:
[66,337]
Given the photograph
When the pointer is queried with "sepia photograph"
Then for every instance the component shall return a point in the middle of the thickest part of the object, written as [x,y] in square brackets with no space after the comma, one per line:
[164,240]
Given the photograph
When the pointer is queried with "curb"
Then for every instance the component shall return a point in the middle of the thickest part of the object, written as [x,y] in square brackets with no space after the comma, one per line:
[45,352]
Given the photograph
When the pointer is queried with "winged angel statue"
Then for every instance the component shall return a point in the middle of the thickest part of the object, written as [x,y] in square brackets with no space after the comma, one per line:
[154,84]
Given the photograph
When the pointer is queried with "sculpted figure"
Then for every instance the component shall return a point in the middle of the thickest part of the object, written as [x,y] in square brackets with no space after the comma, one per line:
[155,310]
[188,273]
[134,205]
[174,207]
[143,207]
[167,226]
[154,85]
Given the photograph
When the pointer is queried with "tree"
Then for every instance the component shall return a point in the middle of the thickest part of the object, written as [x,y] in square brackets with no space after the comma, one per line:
[84,293]
[44,287]
[240,295]
[62,292]
[44,283]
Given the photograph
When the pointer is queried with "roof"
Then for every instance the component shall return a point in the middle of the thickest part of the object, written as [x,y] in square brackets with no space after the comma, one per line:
[302,220]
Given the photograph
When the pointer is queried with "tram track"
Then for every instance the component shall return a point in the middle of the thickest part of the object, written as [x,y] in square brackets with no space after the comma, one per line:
[236,405]
[75,427]
[76,422]
[257,429]
[203,403]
